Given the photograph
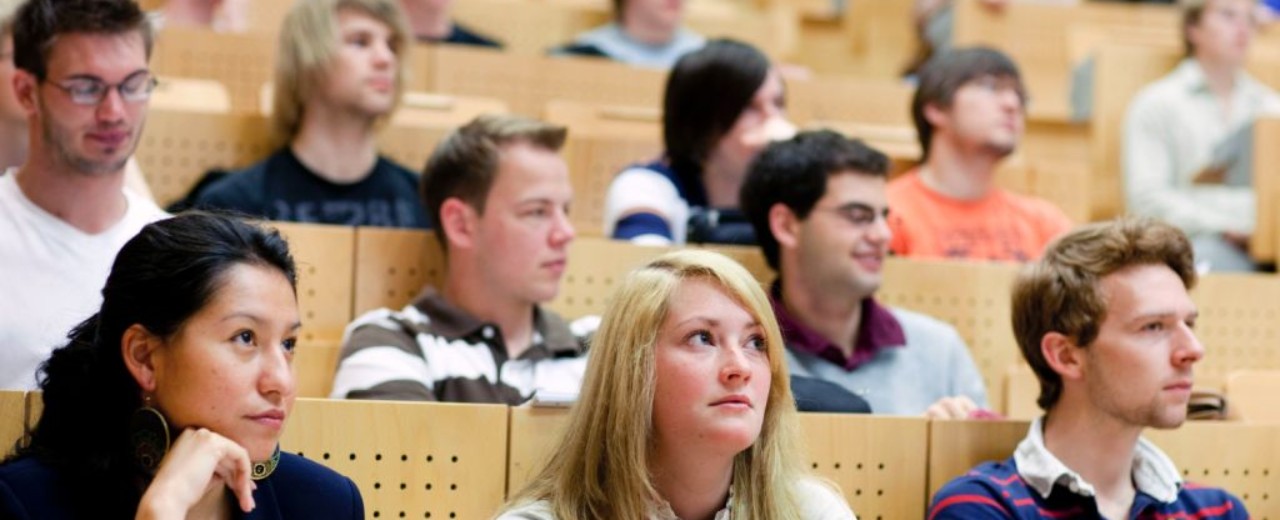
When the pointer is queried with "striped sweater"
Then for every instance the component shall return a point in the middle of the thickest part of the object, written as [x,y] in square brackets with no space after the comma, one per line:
[433,351]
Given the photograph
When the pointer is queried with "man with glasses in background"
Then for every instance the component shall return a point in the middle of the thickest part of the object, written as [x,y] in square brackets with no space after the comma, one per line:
[818,206]
[82,81]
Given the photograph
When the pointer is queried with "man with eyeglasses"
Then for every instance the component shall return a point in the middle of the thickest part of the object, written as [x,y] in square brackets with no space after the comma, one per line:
[1187,141]
[818,205]
[83,82]
[969,111]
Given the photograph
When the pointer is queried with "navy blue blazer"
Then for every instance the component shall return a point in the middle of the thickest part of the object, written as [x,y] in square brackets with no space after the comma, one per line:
[298,488]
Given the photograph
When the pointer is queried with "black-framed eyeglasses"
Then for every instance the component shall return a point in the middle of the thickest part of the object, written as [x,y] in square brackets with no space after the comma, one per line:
[91,91]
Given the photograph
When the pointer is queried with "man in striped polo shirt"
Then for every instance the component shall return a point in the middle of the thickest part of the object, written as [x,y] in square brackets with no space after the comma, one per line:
[499,194]
[1105,321]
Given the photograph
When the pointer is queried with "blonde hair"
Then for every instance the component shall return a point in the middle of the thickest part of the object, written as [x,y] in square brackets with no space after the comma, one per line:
[308,42]
[600,467]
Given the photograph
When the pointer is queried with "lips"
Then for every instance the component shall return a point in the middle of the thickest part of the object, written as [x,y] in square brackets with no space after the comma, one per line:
[1179,386]
[269,418]
[555,266]
[870,261]
[382,84]
[109,139]
[734,401]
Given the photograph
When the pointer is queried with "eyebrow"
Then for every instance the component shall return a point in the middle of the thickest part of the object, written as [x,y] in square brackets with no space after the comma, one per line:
[1195,314]
[99,79]
[256,320]
[712,322]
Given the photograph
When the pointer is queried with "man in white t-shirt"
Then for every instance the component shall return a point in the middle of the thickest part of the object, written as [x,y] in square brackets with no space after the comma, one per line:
[83,81]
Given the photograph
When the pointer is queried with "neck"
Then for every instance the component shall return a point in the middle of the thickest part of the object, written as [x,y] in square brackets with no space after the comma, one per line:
[338,146]
[428,21]
[1099,448]
[91,203]
[824,311]
[692,480]
[469,291]
[723,186]
[647,33]
[958,174]
[1220,76]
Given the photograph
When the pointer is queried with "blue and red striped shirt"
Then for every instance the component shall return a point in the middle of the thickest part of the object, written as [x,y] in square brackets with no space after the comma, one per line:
[1034,484]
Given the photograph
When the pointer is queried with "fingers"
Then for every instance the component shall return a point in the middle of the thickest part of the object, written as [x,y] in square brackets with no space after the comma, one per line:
[199,463]
[957,407]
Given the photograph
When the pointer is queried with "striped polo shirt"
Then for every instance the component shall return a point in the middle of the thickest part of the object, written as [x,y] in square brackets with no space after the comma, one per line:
[433,351]
[1034,484]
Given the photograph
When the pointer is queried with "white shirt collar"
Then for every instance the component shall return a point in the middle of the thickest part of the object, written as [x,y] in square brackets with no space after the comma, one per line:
[1153,472]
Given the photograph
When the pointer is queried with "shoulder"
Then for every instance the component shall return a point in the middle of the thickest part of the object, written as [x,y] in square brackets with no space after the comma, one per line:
[29,489]
[1042,211]
[1159,94]
[388,166]
[820,500]
[238,186]
[917,325]
[539,510]
[1209,502]
[983,491]
[305,489]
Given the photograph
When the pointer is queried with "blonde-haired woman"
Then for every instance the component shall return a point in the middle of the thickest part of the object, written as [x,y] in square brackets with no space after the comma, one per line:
[685,412]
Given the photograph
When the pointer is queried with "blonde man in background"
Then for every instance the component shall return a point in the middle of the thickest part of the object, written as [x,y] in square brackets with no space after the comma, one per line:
[216,15]
[339,75]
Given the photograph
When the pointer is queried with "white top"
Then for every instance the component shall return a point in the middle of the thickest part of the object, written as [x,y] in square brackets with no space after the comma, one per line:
[818,501]
[51,277]
[1153,472]
[641,189]
[1171,131]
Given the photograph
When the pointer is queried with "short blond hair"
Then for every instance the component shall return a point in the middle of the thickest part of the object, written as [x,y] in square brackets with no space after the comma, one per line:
[1192,12]
[308,42]
[600,469]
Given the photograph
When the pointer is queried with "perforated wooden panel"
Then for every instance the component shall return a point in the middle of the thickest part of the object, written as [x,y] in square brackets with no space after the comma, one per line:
[751,257]
[973,297]
[1251,394]
[1242,458]
[527,83]
[190,95]
[410,460]
[594,161]
[879,462]
[530,28]
[534,433]
[411,145]
[13,419]
[1021,390]
[392,267]
[596,266]
[955,447]
[1265,241]
[1239,323]
[876,460]
[884,102]
[177,148]
[242,62]
[1120,71]
[314,365]
[325,257]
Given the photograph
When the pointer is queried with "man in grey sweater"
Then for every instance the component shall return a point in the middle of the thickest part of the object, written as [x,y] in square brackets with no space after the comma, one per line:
[817,203]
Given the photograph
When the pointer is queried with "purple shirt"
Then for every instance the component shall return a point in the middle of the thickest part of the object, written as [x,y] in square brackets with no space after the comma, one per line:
[877,330]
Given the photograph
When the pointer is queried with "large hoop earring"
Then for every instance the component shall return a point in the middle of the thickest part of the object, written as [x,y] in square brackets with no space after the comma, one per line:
[149,436]
[265,468]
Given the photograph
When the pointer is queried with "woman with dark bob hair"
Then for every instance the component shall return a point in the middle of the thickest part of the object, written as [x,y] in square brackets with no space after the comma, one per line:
[169,403]
[722,104]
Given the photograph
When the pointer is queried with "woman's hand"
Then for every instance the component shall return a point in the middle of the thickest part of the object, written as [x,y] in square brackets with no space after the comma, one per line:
[199,463]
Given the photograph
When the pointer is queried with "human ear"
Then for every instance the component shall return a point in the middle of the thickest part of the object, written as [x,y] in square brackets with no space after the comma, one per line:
[138,347]
[1063,356]
[784,225]
[24,89]
[458,221]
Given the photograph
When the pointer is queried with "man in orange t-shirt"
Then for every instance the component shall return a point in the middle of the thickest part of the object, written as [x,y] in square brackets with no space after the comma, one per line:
[969,111]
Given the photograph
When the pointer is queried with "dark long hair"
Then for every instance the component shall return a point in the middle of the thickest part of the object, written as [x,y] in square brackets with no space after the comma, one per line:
[160,278]
[705,93]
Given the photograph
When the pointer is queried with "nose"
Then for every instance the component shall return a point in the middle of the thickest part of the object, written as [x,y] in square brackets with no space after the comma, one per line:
[1189,350]
[735,369]
[880,232]
[384,55]
[112,107]
[562,231]
[276,379]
